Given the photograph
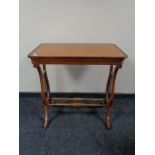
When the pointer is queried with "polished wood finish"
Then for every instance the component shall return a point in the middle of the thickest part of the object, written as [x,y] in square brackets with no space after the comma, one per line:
[110,88]
[95,54]
[45,90]
[87,54]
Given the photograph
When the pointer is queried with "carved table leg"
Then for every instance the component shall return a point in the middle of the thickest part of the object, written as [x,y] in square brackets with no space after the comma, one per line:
[45,90]
[110,89]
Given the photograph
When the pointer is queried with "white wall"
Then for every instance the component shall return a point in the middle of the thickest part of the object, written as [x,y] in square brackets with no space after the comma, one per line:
[76,21]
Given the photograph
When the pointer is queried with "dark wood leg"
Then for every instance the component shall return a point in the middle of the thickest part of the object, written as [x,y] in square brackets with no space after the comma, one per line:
[109,82]
[110,90]
[45,90]
[46,81]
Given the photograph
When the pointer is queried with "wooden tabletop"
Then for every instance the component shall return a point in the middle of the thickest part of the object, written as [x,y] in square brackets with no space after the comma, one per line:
[59,53]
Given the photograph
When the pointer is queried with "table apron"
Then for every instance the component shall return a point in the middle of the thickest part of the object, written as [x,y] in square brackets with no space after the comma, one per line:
[77,61]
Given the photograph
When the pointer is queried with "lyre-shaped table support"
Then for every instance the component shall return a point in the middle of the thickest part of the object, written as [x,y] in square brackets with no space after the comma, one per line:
[47,101]
[110,91]
[45,89]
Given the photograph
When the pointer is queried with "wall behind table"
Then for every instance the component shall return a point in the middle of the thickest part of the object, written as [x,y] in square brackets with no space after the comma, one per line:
[76,21]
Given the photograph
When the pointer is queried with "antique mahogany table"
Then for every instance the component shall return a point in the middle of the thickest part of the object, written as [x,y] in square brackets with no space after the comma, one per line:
[77,54]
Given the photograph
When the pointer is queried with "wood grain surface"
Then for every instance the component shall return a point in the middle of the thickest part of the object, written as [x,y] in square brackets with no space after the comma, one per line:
[50,50]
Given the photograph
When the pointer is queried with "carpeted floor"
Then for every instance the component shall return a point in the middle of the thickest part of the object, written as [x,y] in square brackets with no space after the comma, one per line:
[77,131]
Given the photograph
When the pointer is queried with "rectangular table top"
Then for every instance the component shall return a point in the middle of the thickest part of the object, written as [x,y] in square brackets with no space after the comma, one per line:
[67,53]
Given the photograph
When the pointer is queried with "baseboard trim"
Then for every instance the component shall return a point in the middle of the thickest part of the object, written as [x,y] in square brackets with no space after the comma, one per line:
[73,94]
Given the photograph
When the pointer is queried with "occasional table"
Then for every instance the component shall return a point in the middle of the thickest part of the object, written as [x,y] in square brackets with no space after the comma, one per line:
[77,54]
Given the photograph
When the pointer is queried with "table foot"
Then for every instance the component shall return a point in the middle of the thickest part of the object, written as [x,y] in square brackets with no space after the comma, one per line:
[108,118]
[46,117]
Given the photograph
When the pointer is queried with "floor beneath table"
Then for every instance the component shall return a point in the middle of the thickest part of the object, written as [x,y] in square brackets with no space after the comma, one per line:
[77,131]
